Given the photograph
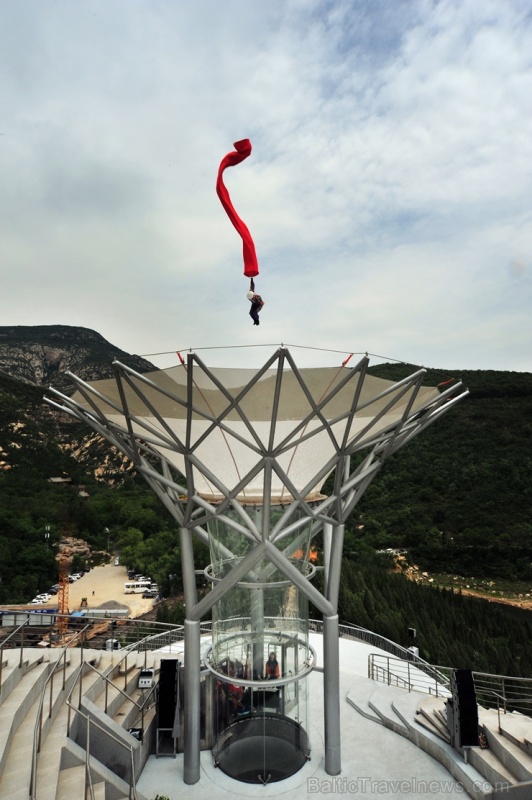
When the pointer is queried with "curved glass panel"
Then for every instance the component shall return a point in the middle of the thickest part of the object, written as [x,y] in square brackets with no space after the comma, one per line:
[260,657]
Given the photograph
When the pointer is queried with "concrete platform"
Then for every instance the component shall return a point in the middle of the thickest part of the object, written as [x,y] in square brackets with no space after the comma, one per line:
[375,761]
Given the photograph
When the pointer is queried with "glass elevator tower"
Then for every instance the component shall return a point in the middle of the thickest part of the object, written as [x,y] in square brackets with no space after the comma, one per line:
[240,457]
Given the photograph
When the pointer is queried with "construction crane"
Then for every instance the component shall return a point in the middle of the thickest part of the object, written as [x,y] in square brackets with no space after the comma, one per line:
[62,604]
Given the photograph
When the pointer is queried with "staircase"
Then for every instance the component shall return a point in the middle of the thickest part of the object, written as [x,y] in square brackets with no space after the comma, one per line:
[502,770]
[49,708]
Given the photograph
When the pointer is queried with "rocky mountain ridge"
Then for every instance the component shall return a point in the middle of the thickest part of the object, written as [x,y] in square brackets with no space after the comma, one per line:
[41,354]
[32,434]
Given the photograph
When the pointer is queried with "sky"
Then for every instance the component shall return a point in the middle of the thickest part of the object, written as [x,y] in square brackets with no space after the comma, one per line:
[389,191]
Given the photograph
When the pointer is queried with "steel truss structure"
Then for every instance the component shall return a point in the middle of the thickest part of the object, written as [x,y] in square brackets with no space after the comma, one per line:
[215,449]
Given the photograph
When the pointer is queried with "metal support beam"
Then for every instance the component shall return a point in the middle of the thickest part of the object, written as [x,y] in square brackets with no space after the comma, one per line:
[327,536]
[191,767]
[331,696]
[188,569]
[335,566]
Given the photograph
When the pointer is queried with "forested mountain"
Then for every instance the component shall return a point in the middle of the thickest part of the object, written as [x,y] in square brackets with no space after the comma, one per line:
[458,499]
[460,495]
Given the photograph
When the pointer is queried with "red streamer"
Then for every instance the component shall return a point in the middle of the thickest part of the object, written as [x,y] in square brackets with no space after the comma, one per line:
[242,150]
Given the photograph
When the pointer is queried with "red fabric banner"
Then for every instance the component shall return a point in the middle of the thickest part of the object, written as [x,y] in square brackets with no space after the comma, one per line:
[242,150]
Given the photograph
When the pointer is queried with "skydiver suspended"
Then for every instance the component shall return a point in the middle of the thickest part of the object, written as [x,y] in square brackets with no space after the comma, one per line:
[256,303]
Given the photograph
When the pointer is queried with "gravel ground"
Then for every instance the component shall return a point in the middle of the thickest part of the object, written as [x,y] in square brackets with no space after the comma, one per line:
[100,585]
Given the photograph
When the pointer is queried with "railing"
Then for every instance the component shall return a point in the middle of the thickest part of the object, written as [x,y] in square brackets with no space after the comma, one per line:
[89,721]
[503,692]
[139,706]
[401,668]
[38,722]
[415,675]
[13,635]
[375,640]
[515,694]
[61,662]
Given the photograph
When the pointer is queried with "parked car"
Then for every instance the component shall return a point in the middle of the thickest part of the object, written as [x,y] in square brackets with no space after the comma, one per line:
[37,601]
[149,593]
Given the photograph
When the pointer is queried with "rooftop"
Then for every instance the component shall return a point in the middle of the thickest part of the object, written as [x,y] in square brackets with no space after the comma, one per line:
[394,741]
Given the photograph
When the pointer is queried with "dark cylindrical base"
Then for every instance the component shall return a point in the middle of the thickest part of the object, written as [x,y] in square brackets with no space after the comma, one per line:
[262,748]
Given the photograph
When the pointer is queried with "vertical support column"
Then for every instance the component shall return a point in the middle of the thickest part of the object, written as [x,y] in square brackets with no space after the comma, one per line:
[188,570]
[256,601]
[331,655]
[331,696]
[192,710]
[191,769]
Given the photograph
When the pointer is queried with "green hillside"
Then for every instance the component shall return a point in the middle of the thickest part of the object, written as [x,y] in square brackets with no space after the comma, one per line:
[458,499]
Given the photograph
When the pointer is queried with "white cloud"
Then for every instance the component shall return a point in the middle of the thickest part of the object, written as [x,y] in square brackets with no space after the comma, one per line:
[388,189]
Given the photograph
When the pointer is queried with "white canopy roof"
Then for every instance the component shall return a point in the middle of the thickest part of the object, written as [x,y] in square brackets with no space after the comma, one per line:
[227,428]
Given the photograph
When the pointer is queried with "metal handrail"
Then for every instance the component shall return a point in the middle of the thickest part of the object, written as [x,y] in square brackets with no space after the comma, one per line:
[139,706]
[105,731]
[376,640]
[142,707]
[510,692]
[415,676]
[49,681]
[12,634]
[89,721]
[38,721]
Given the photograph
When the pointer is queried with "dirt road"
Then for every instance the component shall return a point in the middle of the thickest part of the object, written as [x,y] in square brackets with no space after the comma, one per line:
[100,585]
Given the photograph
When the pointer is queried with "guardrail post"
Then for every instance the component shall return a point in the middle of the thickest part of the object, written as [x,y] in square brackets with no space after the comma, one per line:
[132,782]
[51,695]
[503,687]
[21,647]
[87,757]
[40,731]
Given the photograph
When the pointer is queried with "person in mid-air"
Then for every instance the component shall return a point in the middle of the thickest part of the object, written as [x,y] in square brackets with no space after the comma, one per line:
[256,303]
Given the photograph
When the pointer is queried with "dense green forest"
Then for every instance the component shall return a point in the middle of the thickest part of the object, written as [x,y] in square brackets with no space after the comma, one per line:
[458,499]
[452,630]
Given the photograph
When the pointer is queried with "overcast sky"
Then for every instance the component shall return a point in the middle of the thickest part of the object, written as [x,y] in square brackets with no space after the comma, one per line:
[389,192]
